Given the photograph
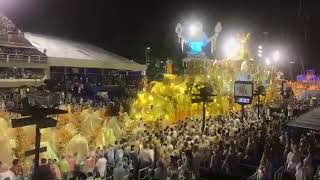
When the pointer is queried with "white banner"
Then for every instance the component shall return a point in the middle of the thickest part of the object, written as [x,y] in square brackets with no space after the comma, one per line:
[243,89]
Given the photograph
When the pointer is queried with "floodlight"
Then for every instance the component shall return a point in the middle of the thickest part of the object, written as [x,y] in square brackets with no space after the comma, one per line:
[193,29]
[276,56]
[268,61]
[232,48]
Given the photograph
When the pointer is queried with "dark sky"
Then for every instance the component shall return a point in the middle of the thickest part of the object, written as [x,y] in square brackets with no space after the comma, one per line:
[127,27]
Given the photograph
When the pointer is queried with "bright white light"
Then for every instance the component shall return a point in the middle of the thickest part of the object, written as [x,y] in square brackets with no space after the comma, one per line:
[259,55]
[232,48]
[259,47]
[260,51]
[148,48]
[276,56]
[193,30]
[268,61]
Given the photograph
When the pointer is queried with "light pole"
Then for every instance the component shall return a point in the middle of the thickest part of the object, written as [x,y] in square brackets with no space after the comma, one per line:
[259,92]
[204,96]
[291,63]
[259,52]
[147,54]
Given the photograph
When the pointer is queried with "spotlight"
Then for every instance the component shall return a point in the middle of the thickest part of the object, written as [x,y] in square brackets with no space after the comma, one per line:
[232,48]
[268,61]
[193,29]
[276,56]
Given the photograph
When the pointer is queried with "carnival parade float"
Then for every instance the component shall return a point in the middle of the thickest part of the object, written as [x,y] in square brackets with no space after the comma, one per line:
[165,101]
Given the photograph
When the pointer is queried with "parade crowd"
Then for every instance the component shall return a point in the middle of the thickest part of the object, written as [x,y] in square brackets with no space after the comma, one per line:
[229,146]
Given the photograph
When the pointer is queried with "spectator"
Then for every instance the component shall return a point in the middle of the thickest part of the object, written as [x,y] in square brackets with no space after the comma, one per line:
[78,174]
[101,166]
[119,172]
[44,171]
[57,172]
[300,172]
[90,176]
[64,168]
[17,169]
[72,161]
[5,173]
[161,171]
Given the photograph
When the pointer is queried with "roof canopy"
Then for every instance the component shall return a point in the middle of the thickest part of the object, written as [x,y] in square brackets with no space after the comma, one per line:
[309,120]
[67,53]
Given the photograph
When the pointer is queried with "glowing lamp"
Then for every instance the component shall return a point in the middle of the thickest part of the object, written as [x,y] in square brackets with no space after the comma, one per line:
[268,61]
[232,48]
[276,56]
[193,30]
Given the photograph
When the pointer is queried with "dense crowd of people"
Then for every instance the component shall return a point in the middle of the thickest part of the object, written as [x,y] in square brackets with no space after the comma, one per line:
[229,146]
[78,90]
[83,91]
[15,73]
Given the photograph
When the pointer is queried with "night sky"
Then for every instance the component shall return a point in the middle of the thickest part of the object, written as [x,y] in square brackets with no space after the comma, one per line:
[127,27]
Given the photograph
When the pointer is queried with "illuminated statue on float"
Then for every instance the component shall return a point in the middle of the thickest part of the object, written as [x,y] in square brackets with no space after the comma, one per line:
[195,38]
[169,100]
[193,41]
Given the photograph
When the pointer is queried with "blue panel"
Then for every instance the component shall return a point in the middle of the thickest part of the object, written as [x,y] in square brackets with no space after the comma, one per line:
[196,46]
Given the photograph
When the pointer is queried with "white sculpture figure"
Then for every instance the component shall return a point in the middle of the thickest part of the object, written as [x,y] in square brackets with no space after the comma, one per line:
[195,38]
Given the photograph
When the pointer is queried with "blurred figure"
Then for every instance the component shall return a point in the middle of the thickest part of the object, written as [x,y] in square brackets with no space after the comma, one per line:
[44,171]
[101,165]
[5,173]
[56,170]
[119,172]
[17,169]
[300,172]
[64,168]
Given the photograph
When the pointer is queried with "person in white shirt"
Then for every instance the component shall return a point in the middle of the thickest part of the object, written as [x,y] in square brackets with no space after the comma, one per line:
[118,153]
[144,157]
[308,167]
[119,172]
[300,172]
[293,159]
[5,173]
[151,153]
[110,156]
[101,165]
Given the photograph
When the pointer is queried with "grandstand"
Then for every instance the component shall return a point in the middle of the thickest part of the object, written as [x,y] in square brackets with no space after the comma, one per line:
[27,59]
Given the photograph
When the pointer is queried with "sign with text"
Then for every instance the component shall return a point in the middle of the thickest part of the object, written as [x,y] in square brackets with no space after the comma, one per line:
[243,92]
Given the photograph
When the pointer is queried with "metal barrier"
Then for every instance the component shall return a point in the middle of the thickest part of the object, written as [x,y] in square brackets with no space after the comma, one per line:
[278,175]
[140,172]
[246,170]
[111,177]
[21,58]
